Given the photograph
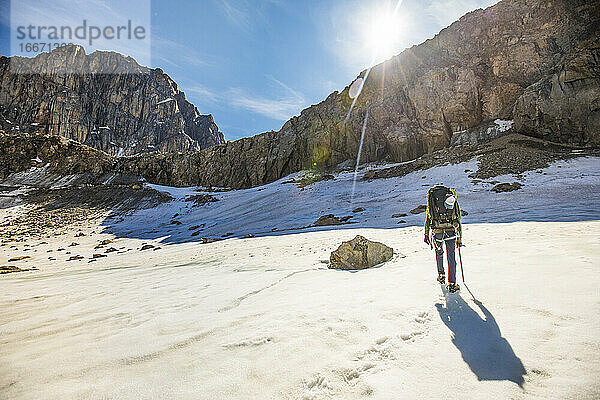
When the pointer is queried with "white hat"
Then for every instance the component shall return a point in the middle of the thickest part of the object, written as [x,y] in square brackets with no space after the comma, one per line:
[450,201]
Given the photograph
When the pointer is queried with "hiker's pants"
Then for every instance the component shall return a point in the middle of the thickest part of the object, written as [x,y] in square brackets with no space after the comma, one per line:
[438,241]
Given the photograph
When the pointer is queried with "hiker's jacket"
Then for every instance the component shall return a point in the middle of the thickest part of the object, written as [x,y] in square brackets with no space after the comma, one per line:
[438,226]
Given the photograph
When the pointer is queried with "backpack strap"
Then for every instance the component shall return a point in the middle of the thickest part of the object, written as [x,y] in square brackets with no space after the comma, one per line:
[456,206]
[427,211]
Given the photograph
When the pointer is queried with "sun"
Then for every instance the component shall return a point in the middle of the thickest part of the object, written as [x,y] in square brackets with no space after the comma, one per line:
[383,34]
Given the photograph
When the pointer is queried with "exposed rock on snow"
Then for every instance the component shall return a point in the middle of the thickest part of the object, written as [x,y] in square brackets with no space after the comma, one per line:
[202,199]
[64,156]
[328,219]
[511,154]
[506,187]
[10,268]
[210,240]
[360,253]
[517,154]
[20,258]
[399,215]
[418,210]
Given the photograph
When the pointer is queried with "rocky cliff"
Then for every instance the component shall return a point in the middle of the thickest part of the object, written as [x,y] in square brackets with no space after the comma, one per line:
[21,151]
[131,110]
[564,106]
[532,61]
[492,64]
[54,159]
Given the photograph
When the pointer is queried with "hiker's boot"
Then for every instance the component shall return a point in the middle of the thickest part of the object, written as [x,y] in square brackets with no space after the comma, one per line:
[441,278]
[453,287]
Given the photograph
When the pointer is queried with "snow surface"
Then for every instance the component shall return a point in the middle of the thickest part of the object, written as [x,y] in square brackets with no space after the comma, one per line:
[566,191]
[503,124]
[165,101]
[263,318]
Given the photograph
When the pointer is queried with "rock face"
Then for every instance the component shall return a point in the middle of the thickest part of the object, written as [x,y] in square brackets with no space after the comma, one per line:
[359,253]
[132,110]
[20,151]
[564,106]
[469,74]
[495,64]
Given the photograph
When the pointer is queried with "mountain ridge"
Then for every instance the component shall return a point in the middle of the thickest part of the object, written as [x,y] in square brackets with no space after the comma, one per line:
[472,72]
[131,109]
[510,61]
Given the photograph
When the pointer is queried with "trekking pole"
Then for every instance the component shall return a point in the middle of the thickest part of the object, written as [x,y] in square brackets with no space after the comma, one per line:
[462,270]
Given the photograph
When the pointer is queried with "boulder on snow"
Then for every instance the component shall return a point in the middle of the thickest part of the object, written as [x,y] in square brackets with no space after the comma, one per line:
[18,258]
[210,240]
[419,209]
[359,253]
[201,199]
[506,187]
[328,219]
[400,215]
[10,268]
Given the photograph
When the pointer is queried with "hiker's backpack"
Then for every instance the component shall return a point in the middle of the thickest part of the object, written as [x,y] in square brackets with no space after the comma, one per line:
[438,214]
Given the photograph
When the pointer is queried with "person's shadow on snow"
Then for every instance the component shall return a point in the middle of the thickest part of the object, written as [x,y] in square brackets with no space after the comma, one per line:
[488,354]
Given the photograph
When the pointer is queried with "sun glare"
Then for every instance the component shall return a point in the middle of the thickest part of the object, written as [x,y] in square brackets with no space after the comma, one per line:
[383,34]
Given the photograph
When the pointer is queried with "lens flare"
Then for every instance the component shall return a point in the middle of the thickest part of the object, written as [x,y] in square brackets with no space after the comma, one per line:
[383,38]
[362,139]
[355,88]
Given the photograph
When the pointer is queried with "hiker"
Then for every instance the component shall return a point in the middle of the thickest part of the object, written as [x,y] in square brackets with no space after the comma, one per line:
[443,220]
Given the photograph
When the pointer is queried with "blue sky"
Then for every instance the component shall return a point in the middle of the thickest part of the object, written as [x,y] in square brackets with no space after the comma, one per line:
[253,64]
